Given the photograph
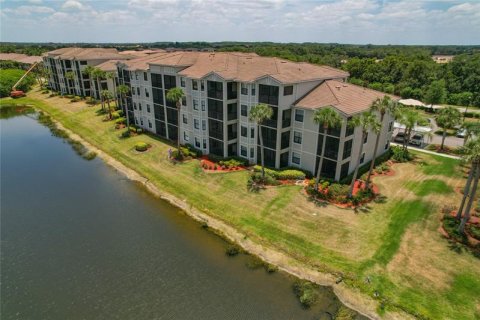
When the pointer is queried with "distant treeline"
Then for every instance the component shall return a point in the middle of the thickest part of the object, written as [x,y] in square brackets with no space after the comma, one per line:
[408,71]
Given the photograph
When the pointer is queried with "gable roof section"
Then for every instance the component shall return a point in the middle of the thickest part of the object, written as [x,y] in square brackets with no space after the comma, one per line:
[345,97]
[85,53]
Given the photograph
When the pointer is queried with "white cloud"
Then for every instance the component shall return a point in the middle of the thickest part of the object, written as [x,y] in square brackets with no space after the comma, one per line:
[35,1]
[73,5]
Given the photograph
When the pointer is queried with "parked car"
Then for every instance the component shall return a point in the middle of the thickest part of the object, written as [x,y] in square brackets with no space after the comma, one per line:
[400,137]
[461,133]
[416,139]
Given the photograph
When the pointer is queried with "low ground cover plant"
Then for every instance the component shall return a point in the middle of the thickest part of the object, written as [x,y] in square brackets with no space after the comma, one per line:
[141,146]
[288,174]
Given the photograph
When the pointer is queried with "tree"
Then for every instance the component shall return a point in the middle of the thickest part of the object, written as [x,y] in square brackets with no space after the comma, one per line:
[436,92]
[99,74]
[112,76]
[89,71]
[448,118]
[409,118]
[382,106]
[366,121]
[472,155]
[107,96]
[70,77]
[327,118]
[176,95]
[123,90]
[259,114]
[472,129]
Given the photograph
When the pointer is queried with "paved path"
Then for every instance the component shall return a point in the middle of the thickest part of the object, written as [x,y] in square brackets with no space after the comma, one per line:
[427,151]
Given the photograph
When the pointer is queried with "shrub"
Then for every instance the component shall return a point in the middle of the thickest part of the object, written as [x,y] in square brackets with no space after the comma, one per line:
[120,113]
[8,77]
[232,250]
[120,120]
[254,263]
[139,130]
[90,155]
[289,174]
[75,99]
[270,268]
[132,129]
[306,291]
[141,146]
[126,134]
[215,158]
[232,163]
[337,190]
[401,155]
[194,151]
[115,115]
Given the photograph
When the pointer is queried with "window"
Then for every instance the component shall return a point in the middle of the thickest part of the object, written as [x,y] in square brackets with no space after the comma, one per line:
[184,119]
[215,90]
[83,63]
[295,158]
[268,94]
[196,123]
[133,90]
[243,131]
[197,142]
[297,137]
[147,94]
[203,105]
[285,140]
[252,133]
[390,126]
[244,110]
[252,152]
[148,108]
[136,120]
[141,121]
[157,96]
[253,89]
[347,148]
[299,115]
[202,85]
[182,82]
[138,91]
[140,106]
[204,143]
[244,89]
[194,84]
[145,76]
[156,80]
[288,90]
[149,124]
[184,101]
[243,151]
[195,104]
[185,136]
[204,124]
[135,105]
[366,138]
[136,75]
[362,158]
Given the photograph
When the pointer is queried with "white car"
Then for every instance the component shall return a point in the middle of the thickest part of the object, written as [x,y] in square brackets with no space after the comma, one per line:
[416,139]
[461,133]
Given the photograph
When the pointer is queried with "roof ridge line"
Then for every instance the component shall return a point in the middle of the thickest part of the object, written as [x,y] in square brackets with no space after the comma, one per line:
[329,88]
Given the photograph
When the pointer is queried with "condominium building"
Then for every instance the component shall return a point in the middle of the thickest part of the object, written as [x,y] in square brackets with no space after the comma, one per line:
[220,90]
[62,61]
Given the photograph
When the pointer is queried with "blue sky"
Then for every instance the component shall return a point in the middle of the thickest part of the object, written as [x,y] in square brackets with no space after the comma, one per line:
[342,21]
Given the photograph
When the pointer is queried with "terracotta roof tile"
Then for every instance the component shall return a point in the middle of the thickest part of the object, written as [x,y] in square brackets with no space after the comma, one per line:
[346,97]
[19,57]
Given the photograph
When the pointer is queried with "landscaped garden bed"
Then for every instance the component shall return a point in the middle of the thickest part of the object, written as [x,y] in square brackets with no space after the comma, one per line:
[212,163]
[470,240]
[337,193]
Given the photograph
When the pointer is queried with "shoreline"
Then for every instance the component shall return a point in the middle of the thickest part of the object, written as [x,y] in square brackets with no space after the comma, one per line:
[348,296]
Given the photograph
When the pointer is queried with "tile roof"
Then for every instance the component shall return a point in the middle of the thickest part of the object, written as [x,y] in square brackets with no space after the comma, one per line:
[85,53]
[345,97]
[236,66]
[19,57]
[109,65]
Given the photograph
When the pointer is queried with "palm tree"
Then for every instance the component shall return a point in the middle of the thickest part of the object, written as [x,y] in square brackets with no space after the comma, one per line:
[123,90]
[70,76]
[366,121]
[471,153]
[382,106]
[107,96]
[472,129]
[176,95]
[99,74]
[112,76]
[327,118]
[448,118]
[409,118]
[89,71]
[259,114]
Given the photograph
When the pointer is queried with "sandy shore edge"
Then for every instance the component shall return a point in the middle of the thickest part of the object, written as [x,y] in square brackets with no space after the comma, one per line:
[349,297]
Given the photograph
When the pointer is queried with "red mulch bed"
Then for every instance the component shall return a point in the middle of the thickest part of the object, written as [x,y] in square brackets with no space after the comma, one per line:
[473,220]
[211,165]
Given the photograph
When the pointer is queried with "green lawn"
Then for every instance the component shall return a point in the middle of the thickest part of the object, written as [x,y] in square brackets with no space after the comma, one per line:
[395,244]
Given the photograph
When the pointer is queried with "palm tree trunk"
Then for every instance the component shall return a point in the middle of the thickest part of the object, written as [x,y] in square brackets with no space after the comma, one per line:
[262,161]
[444,135]
[109,109]
[126,112]
[377,141]
[117,101]
[179,104]
[319,170]
[466,190]
[352,184]
[466,216]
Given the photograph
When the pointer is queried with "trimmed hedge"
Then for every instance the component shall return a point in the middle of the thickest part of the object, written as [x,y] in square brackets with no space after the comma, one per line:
[215,158]
[141,146]
[289,174]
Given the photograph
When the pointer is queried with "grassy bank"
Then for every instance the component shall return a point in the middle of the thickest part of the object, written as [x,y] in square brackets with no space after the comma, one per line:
[392,253]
